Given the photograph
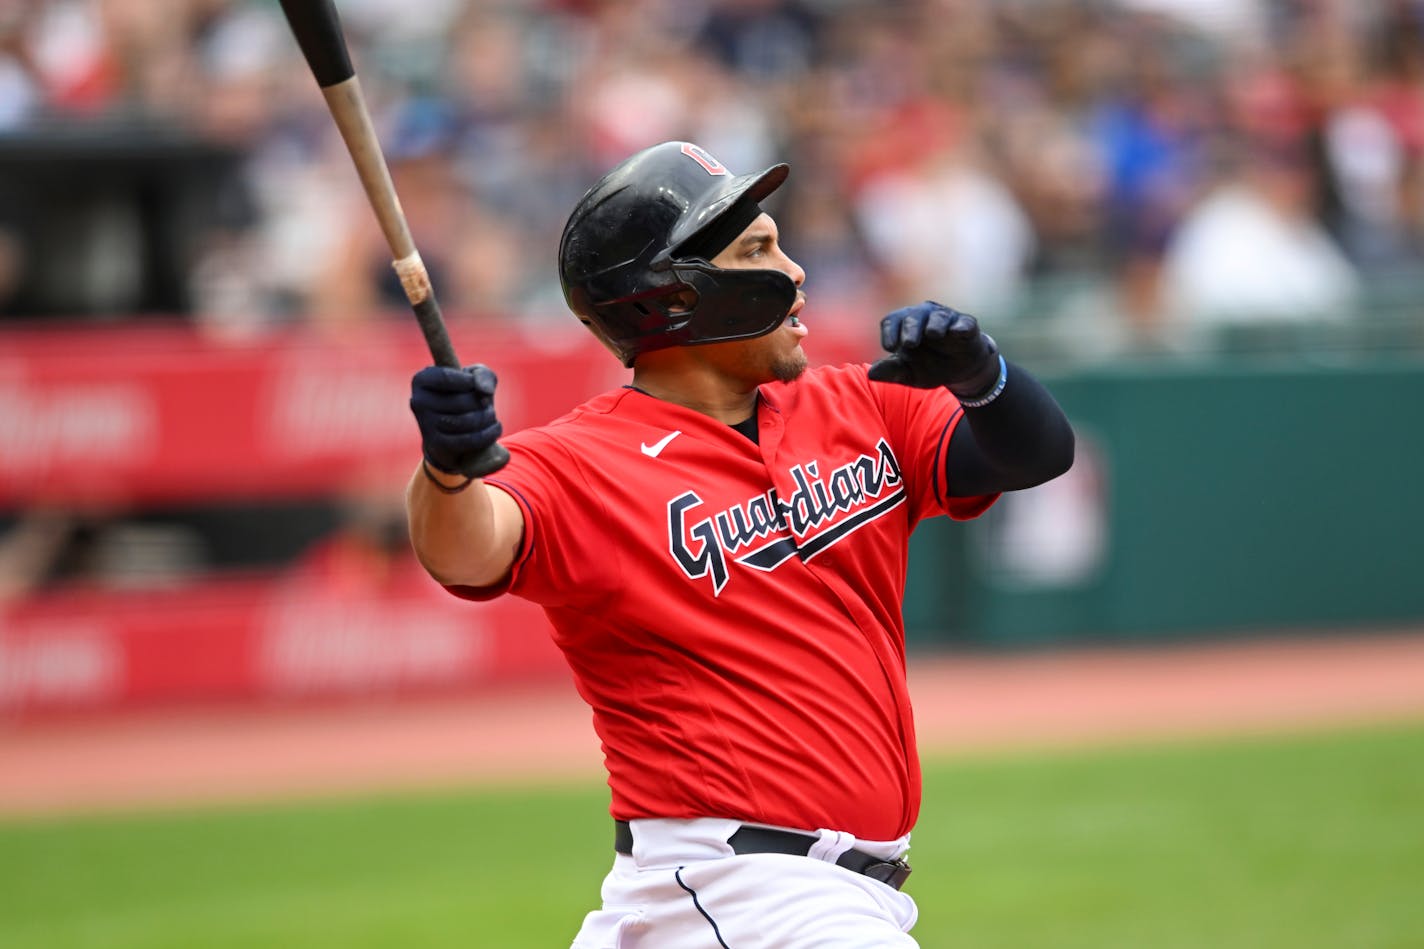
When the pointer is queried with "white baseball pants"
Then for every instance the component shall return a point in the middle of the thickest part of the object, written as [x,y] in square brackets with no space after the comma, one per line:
[684,888]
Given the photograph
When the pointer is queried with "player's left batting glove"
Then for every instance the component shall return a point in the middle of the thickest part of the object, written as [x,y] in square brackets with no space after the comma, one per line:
[454,409]
[931,345]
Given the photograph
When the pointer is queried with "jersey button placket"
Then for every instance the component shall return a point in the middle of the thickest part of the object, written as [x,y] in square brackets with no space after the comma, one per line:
[770,428]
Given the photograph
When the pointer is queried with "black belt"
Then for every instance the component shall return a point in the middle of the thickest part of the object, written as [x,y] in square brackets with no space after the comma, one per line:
[750,839]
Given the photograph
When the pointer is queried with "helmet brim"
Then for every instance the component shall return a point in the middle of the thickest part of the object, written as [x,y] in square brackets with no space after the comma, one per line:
[704,213]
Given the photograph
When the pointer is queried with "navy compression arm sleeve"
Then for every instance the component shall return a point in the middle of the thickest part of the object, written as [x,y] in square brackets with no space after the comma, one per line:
[1019,440]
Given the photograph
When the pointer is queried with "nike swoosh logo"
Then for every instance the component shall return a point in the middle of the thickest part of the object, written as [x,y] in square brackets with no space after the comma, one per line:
[656,448]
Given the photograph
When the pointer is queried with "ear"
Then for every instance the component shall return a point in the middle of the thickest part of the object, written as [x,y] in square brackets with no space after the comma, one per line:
[682,301]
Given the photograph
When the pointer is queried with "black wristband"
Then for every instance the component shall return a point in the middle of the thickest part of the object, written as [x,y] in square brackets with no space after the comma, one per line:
[440,485]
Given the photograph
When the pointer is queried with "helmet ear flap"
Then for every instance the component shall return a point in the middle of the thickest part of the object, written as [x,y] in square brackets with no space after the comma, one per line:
[623,355]
[654,320]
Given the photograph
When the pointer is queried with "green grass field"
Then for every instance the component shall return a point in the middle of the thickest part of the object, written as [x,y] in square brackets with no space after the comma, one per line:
[1287,842]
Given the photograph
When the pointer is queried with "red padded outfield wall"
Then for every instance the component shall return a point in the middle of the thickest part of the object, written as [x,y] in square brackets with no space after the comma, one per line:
[130,417]
[163,414]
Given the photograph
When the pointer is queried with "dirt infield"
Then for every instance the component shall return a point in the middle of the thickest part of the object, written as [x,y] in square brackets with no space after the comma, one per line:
[963,704]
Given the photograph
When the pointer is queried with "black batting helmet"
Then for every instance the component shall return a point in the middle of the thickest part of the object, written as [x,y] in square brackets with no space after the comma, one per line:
[644,235]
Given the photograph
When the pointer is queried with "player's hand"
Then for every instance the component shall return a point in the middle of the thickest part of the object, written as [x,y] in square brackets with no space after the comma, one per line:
[931,345]
[455,411]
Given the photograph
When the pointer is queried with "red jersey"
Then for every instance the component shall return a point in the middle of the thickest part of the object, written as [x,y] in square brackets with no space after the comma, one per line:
[731,610]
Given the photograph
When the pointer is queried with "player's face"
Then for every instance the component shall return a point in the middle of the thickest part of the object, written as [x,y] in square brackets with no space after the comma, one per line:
[778,354]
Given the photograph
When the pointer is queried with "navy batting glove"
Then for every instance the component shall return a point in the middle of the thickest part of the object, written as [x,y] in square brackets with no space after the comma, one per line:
[455,411]
[931,345]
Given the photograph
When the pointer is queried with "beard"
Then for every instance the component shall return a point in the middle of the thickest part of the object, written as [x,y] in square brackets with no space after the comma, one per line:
[767,358]
[788,368]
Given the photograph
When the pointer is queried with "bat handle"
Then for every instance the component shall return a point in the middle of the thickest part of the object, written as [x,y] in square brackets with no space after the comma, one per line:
[415,281]
[437,338]
[427,314]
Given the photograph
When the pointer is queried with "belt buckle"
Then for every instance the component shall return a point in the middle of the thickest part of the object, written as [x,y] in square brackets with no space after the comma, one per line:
[893,873]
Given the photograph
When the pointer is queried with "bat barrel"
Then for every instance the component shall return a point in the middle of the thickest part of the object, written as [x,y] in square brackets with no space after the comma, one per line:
[353,120]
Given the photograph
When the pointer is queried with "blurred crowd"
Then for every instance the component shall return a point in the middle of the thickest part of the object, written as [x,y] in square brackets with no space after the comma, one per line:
[1183,160]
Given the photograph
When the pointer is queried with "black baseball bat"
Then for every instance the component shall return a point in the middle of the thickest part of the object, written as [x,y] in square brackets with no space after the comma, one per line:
[317,29]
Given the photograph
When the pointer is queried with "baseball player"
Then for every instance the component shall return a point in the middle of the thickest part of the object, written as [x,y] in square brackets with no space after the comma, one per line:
[721,547]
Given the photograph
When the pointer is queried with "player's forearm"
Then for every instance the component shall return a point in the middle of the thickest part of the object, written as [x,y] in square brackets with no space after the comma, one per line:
[1020,439]
[461,539]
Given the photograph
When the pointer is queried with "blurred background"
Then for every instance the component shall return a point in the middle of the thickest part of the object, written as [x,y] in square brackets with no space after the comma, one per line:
[1202,222]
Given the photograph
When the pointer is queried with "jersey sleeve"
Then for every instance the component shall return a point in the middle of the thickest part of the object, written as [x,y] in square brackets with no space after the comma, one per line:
[560,561]
[921,422]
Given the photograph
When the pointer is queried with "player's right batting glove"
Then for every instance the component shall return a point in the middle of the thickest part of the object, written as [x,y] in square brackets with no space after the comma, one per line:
[931,345]
[455,411]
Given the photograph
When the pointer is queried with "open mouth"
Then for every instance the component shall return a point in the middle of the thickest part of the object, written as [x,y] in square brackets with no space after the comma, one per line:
[791,317]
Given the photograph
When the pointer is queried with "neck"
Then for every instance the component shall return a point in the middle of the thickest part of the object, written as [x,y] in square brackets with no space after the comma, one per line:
[715,395]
